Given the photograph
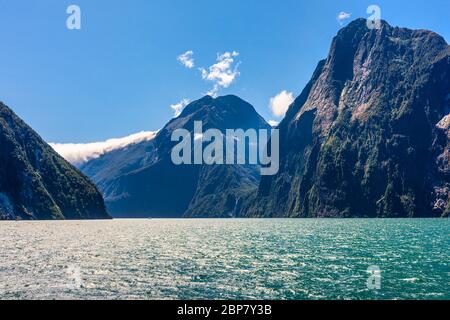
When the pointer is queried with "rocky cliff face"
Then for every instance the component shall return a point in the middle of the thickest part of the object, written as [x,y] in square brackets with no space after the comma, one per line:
[142,181]
[36,183]
[369,135]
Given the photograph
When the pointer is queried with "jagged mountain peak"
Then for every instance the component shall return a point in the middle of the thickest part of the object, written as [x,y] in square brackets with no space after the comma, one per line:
[224,112]
[362,60]
[142,180]
[222,104]
[360,27]
[364,138]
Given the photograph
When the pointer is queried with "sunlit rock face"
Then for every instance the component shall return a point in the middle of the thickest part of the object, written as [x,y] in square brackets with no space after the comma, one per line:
[369,135]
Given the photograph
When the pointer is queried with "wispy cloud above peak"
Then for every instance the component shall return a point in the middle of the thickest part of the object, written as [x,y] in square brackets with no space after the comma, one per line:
[187,59]
[342,16]
[79,153]
[178,107]
[223,73]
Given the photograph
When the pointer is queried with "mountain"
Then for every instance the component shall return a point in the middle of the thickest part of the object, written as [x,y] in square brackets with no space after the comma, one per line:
[141,179]
[369,135]
[36,183]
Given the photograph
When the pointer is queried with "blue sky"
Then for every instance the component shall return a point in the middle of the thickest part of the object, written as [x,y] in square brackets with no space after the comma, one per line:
[119,74]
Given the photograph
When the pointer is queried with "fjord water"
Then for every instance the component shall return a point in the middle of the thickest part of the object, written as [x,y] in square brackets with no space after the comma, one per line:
[224,259]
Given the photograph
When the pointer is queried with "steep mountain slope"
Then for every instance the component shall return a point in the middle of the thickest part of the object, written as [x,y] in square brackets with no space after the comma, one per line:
[142,181]
[369,135]
[221,191]
[110,166]
[36,183]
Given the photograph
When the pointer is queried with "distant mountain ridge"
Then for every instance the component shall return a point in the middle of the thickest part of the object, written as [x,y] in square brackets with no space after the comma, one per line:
[142,181]
[38,184]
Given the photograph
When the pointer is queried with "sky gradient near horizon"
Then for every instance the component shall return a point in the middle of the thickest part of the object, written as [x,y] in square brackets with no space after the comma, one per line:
[119,74]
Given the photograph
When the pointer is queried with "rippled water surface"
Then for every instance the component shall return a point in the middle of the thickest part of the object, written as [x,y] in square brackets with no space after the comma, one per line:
[224,259]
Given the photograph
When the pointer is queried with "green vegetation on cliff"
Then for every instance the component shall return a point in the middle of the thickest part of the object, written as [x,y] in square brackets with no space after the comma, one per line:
[36,183]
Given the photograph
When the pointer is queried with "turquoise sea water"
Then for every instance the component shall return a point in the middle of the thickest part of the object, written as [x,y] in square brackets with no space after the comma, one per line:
[224,259]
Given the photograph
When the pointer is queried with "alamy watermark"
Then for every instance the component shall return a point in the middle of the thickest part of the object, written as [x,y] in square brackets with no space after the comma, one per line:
[235,147]
[73,22]
[374,20]
[74,274]
[374,279]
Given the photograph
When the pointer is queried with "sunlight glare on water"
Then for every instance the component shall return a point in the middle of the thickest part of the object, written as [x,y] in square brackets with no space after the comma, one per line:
[224,259]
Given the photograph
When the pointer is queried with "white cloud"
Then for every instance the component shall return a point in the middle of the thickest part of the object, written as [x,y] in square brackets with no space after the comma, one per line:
[187,59]
[281,102]
[342,16]
[273,123]
[178,107]
[223,73]
[80,153]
